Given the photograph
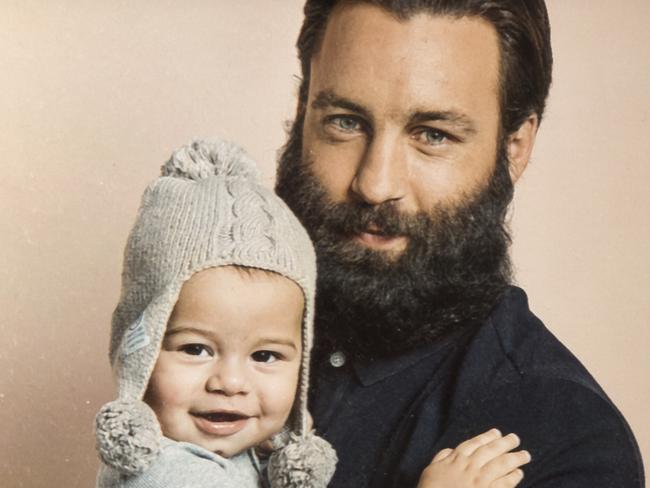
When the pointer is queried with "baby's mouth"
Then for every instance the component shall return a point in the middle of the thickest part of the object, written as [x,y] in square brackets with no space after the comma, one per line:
[220,416]
[220,423]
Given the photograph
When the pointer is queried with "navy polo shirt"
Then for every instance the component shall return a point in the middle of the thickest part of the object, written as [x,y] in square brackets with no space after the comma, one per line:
[388,418]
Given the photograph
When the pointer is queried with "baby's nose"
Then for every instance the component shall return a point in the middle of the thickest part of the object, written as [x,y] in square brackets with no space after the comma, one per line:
[228,378]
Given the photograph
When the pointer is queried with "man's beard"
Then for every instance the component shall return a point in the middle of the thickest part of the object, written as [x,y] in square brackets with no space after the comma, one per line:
[371,304]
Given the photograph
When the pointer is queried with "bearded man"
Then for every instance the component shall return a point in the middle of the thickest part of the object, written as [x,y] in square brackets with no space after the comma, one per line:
[414,121]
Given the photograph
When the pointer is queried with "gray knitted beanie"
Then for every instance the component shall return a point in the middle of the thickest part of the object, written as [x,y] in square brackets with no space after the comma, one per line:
[206,210]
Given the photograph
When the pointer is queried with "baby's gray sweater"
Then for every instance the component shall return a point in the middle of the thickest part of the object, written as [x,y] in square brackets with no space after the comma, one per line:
[185,465]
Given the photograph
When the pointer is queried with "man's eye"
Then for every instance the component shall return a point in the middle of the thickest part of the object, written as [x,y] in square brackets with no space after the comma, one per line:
[344,123]
[196,350]
[265,356]
[432,137]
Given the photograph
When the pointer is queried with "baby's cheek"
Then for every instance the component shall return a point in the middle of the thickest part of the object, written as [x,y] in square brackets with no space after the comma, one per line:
[167,389]
[277,396]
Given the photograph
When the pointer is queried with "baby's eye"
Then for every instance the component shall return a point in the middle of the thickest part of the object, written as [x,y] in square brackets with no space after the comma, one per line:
[265,356]
[196,350]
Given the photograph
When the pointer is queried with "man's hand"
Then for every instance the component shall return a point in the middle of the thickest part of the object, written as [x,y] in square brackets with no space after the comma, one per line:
[485,461]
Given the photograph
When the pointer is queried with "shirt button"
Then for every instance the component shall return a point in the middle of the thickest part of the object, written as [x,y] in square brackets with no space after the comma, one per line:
[337,359]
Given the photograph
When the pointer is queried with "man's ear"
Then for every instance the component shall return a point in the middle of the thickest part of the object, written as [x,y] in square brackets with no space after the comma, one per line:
[520,146]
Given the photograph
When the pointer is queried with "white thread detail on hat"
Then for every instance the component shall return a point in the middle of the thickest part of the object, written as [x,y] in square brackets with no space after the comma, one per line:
[136,337]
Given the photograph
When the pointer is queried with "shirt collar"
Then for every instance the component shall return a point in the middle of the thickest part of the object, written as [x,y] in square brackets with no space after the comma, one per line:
[372,371]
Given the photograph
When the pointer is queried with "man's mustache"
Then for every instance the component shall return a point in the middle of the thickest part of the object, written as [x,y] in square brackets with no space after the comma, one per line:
[347,218]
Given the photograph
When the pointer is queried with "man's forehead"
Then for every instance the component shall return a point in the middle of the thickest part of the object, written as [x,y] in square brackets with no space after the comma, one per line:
[420,63]
[353,30]
[378,23]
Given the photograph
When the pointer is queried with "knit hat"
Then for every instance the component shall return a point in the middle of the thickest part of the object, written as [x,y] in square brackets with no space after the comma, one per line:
[207,209]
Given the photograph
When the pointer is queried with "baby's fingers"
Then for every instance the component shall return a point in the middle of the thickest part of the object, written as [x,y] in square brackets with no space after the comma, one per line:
[493,449]
[509,481]
[468,447]
[442,455]
[504,465]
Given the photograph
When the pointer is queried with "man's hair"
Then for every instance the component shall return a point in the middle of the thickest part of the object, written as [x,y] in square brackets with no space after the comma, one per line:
[524,36]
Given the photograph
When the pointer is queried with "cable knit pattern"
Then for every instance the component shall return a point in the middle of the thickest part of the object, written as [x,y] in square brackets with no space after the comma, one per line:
[254,234]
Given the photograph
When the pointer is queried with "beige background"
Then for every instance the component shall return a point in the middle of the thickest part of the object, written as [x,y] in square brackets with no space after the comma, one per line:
[95,95]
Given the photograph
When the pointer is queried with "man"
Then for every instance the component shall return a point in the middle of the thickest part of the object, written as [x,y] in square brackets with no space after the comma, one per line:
[414,120]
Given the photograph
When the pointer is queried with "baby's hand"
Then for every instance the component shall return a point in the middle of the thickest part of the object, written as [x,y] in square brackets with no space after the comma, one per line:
[481,462]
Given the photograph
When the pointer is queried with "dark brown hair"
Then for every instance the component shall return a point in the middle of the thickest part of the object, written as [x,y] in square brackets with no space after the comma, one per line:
[525,46]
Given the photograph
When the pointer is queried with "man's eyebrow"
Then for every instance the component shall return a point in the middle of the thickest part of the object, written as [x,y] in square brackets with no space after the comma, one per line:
[458,119]
[328,98]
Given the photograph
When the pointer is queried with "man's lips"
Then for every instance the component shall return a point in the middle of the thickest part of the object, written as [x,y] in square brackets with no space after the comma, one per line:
[220,422]
[374,238]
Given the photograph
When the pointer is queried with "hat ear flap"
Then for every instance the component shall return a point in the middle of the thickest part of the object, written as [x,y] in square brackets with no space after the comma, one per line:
[128,436]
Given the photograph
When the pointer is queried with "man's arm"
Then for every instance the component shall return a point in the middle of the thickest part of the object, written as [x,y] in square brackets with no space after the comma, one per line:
[576,436]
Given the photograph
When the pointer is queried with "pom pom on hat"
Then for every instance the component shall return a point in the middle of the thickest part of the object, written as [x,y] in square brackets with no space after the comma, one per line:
[204,158]
[128,435]
[305,462]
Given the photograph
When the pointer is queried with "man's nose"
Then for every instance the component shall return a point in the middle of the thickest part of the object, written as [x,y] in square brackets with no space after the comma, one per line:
[382,173]
[228,377]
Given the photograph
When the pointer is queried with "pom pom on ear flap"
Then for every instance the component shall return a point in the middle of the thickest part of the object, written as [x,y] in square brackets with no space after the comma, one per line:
[128,436]
[305,462]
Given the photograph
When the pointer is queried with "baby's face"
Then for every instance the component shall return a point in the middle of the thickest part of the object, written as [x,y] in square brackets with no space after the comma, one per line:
[227,373]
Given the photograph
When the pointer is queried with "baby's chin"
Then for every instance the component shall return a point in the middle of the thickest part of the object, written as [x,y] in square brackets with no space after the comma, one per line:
[224,440]
[219,447]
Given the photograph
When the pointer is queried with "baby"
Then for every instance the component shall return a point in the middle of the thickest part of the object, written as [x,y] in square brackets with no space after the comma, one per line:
[211,340]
